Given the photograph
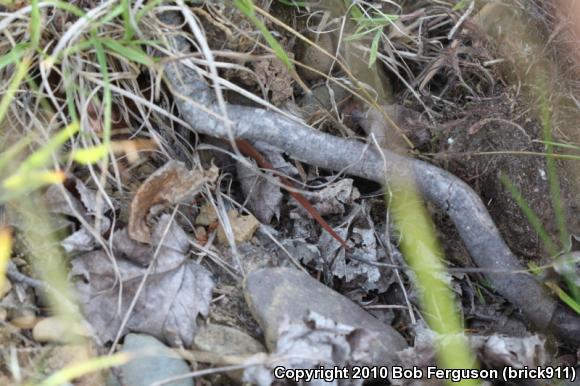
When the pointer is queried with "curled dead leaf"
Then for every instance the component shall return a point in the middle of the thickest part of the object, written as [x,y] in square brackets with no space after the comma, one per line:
[171,184]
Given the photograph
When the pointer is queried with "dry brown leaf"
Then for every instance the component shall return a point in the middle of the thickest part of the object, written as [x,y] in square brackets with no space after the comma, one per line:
[263,197]
[169,185]
[334,197]
[207,215]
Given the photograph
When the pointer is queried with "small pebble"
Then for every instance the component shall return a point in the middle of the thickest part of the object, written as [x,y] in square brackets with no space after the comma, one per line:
[201,234]
[25,320]
[223,340]
[160,363]
[5,288]
[55,330]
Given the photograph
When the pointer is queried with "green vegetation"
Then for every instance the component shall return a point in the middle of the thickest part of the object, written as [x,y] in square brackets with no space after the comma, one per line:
[423,254]
[572,297]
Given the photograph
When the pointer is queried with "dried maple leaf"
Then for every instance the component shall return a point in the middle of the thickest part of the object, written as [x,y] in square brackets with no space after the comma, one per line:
[174,293]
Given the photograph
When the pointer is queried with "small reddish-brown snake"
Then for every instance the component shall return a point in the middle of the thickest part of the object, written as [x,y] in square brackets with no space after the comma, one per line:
[250,151]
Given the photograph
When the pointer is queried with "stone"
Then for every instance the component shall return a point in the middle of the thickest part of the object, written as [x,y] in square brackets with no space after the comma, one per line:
[160,363]
[223,340]
[275,294]
[200,234]
[23,319]
[55,330]
[5,288]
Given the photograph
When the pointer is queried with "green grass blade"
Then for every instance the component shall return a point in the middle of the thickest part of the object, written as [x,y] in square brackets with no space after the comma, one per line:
[570,302]
[554,183]
[35,24]
[355,12]
[69,89]
[5,252]
[90,155]
[129,30]
[460,5]
[21,72]
[74,371]
[41,157]
[70,8]
[25,182]
[375,48]
[132,53]
[530,215]
[15,54]
[146,9]
[247,8]
[560,144]
[112,14]
[421,250]
[76,48]
[12,151]
[293,3]
[362,32]
[103,66]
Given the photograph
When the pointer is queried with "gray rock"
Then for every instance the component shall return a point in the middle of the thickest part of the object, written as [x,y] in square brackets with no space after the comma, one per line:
[274,294]
[159,363]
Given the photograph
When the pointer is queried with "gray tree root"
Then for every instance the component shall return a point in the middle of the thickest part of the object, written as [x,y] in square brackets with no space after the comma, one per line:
[474,224]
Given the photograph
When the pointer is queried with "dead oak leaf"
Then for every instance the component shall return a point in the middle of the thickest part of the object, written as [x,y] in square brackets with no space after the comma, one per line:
[171,184]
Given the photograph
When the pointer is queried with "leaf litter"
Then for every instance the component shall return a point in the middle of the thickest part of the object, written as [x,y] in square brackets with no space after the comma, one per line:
[262,196]
[79,203]
[176,289]
[316,341]
[152,284]
[357,265]
[495,350]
